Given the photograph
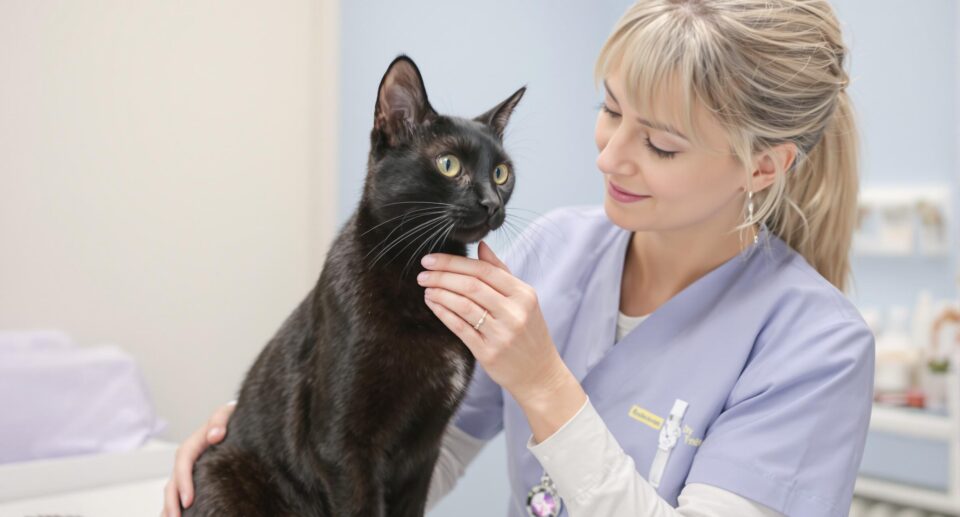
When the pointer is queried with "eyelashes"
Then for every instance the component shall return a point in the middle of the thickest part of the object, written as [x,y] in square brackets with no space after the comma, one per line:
[660,152]
[656,150]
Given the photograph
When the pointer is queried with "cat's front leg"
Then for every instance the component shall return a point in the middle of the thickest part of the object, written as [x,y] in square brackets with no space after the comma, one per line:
[408,497]
[359,493]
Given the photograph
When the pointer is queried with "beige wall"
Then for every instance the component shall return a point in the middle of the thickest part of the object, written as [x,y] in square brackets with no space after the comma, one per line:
[167,179]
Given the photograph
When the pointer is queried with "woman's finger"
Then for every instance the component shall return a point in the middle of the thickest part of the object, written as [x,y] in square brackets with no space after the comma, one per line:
[171,505]
[462,306]
[471,338]
[186,456]
[217,425]
[467,286]
[486,254]
[492,275]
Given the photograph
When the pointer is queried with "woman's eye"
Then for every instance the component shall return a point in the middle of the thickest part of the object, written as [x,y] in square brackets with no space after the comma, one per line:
[448,165]
[659,152]
[501,173]
[606,109]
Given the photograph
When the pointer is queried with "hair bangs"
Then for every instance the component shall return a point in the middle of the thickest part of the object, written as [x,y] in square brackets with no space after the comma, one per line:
[658,70]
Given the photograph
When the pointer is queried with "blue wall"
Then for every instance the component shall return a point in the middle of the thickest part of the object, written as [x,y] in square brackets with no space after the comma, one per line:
[904,70]
[472,55]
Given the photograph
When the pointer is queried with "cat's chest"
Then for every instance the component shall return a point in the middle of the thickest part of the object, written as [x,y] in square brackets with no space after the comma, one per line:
[441,361]
[458,375]
[424,353]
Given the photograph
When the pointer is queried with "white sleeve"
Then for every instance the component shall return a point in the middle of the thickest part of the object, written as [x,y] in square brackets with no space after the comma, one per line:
[595,478]
[457,450]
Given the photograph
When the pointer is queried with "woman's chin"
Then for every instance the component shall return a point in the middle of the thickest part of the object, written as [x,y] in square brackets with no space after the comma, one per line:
[625,217]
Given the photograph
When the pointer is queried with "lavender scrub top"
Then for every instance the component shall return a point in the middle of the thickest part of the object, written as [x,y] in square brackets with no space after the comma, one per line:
[776,366]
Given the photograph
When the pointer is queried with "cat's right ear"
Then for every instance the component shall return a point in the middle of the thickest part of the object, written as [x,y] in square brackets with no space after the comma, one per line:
[498,117]
[402,103]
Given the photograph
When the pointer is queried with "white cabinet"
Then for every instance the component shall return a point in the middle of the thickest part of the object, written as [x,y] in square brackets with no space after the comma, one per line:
[941,432]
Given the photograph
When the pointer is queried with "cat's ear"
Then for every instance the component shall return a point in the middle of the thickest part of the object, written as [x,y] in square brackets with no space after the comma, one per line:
[498,117]
[401,101]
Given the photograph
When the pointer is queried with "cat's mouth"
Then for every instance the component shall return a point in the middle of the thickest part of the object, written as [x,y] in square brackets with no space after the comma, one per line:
[468,234]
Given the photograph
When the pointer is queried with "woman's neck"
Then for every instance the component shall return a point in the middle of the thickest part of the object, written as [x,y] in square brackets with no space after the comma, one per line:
[660,264]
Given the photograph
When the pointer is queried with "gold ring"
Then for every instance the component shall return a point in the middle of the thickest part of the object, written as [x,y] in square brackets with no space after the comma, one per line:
[477,326]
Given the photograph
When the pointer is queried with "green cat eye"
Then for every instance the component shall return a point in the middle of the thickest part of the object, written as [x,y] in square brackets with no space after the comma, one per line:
[501,173]
[449,165]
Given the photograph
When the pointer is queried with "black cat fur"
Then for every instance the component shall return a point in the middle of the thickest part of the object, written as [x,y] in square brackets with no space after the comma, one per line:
[342,413]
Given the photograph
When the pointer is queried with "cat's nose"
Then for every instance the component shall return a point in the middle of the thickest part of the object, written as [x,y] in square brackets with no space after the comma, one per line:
[495,213]
[491,205]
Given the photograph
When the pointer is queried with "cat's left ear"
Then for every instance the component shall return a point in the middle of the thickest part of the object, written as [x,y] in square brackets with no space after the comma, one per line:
[498,117]
[402,103]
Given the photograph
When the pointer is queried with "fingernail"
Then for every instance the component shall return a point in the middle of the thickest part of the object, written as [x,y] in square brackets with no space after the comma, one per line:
[429,260]
[215,432]
[183,500]
[422,277]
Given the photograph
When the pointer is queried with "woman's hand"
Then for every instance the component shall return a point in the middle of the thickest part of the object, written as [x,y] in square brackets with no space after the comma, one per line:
[179,489]
[512,343]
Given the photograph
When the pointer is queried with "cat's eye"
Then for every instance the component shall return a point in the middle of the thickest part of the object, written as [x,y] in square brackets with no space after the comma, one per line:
[448,165]
[501,173]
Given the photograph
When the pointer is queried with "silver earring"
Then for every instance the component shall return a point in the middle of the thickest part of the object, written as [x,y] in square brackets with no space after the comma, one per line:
[756,236]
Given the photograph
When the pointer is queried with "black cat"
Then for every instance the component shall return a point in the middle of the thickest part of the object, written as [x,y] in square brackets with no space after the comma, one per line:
[343,411]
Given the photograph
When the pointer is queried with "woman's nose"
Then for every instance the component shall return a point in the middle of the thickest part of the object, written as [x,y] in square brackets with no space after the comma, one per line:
[615,156]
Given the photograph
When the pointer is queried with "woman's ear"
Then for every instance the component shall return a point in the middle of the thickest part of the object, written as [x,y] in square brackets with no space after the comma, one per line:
[765,172]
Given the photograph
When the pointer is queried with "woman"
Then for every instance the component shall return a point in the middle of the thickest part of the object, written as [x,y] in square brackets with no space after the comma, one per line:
[728,149]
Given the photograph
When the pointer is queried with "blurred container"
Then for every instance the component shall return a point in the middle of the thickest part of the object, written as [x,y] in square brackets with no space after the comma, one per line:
[910,512]
[881,510]
[858,507]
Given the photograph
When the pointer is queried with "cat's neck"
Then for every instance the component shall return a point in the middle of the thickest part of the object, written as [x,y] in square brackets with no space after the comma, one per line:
[393,247]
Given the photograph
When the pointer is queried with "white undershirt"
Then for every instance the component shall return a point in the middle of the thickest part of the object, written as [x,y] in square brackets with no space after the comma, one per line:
[580,446]
[626,323]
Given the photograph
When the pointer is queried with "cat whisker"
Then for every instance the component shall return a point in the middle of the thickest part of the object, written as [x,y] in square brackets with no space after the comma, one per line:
[417,203]
[416,231]
[387,245]
[523,240]
[436,230]
[412,233]
[425,235]
[442,231]
[444,241]
[428,210]
[538,229]
[540,219]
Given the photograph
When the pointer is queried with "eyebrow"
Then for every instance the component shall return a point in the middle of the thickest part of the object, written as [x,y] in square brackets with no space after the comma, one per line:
[654,124]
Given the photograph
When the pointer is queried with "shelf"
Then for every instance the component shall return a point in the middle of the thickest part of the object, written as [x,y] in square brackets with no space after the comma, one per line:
[912,422]
[921,424]
[44,477]
[907,496]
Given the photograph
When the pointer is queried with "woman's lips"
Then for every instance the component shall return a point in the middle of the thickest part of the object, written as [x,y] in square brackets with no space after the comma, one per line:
[623,196]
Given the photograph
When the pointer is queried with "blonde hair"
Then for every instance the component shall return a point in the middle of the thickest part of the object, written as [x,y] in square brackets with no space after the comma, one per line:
[770,72]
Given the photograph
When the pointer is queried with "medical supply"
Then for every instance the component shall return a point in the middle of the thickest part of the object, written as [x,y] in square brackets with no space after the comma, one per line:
[897,357]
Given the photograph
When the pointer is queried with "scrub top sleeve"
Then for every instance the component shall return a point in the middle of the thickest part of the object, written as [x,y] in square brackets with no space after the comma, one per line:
[792,432]
[457,450]
[481,413]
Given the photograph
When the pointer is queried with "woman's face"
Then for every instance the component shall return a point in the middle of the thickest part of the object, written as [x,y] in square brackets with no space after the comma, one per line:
[682,185]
